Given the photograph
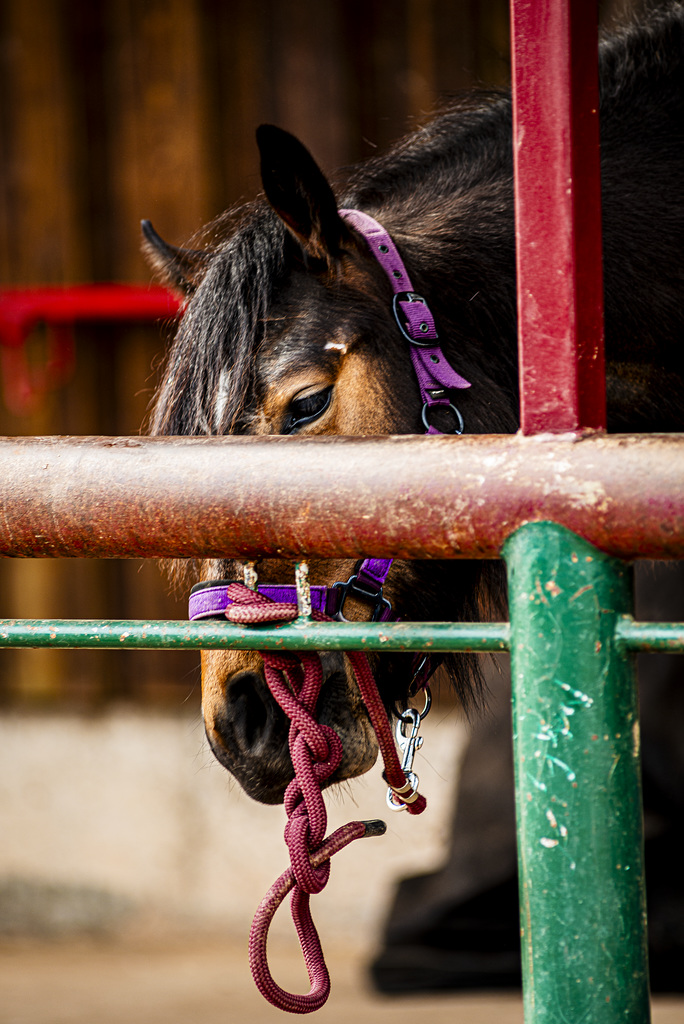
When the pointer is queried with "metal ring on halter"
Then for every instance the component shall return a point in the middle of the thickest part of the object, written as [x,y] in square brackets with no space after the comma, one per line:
[450,406]
[427,705]
[417,672]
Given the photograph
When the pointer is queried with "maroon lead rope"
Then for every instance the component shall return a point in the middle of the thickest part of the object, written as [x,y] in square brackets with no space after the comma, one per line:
[316,751]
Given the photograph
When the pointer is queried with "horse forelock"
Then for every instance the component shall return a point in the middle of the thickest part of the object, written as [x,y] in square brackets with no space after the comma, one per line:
[208,380]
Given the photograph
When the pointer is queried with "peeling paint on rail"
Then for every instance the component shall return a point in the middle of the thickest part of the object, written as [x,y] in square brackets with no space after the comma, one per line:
[404,497]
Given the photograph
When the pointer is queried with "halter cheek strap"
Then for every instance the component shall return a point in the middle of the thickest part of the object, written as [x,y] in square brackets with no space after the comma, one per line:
[415,321]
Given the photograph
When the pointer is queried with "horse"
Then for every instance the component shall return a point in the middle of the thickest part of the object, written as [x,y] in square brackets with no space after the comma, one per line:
[289,329]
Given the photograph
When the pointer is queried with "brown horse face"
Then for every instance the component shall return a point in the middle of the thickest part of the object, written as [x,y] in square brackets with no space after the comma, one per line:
[312,378]
[247,730]
[315,375]
[317,370]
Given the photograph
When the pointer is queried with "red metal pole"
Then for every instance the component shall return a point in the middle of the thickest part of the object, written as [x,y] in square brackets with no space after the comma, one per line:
[558,215]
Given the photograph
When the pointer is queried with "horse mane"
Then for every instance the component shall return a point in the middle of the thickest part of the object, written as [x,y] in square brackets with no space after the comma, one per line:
[641,50]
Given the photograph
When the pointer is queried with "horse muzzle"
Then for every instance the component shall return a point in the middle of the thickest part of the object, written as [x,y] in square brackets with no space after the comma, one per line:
[248,732]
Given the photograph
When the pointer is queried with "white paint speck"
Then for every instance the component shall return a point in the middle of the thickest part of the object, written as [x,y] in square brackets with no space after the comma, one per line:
[338,346]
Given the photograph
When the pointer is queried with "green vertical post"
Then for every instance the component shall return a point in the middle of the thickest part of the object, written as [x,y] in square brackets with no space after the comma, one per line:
[578,783]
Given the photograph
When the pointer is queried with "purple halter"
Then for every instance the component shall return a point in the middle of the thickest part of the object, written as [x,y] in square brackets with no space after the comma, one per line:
[210,598]
[435,378]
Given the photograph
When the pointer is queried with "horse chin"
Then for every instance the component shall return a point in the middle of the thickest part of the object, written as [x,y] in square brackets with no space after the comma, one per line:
[248,731]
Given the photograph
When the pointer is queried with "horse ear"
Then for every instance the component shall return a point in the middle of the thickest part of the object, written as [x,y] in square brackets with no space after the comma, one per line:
[181,269]
[299,192]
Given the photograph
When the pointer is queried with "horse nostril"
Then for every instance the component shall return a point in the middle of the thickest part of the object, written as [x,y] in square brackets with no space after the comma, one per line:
[248,733]
[255,717]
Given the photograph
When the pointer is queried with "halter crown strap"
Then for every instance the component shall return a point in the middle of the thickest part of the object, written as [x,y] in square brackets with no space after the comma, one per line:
[414,319]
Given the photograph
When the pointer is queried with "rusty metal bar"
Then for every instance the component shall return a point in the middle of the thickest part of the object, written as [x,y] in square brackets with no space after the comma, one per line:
[409,497]
[558,215]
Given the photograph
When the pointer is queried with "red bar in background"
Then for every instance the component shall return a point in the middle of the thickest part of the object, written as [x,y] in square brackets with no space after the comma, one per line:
[60,309]
[22,309]
[558,215]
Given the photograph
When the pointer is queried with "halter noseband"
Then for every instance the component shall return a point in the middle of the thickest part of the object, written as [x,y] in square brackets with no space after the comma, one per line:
[435,378]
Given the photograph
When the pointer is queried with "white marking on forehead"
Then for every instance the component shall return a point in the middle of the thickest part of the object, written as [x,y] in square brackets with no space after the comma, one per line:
[221,399]
[339,346]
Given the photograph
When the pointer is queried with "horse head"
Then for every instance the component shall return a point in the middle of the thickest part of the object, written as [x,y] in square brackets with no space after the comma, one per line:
[289,330]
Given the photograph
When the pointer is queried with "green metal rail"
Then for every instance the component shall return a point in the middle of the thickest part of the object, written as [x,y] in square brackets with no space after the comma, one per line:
[578,781]
[439,637]
[298,636]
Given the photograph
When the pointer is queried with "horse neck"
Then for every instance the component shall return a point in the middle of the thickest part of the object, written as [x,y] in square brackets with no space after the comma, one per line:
[446,197]
[463,261]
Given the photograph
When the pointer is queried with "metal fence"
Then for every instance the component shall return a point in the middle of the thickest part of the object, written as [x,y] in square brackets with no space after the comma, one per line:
[571,635]
[558,503]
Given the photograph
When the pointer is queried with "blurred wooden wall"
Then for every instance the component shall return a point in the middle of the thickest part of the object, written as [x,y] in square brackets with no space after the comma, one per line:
[114,110]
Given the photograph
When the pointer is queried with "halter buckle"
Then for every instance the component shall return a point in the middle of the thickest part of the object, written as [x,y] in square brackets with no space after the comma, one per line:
[399,317]
[366,593]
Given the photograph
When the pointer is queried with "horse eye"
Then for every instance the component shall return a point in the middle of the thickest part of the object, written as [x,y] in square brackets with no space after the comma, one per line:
[304,410]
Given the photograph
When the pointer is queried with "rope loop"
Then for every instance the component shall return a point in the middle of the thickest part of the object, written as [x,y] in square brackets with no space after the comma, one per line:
[316,751]
[310,942]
